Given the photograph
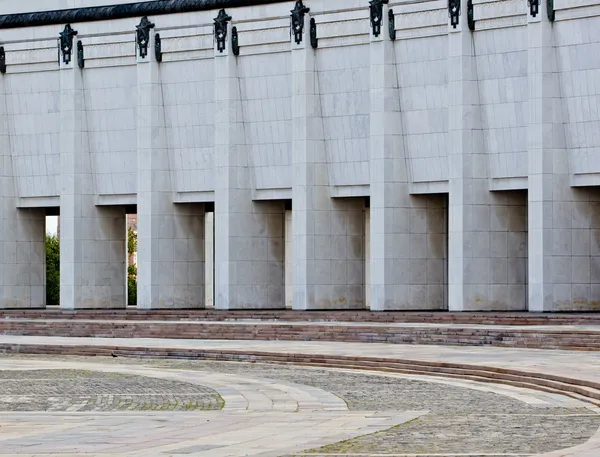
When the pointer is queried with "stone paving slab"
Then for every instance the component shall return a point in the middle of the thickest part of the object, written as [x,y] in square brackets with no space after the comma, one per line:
[209,434]
[584,365]
[563,363]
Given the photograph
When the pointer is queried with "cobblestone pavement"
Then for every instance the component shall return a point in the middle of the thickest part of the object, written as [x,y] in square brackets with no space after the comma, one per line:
[460,419]
[80,390]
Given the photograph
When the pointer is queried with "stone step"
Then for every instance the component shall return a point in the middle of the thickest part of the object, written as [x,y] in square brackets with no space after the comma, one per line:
[483,318]
[540,337]
[576,388]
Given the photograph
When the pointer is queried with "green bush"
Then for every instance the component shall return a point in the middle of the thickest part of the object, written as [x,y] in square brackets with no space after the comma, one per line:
[131,269]
[52,270]
[131,290]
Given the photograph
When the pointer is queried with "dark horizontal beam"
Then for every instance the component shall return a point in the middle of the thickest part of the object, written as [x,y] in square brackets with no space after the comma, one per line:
[139,9]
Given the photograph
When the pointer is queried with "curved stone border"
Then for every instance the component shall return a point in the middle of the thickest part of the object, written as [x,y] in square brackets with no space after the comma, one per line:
[238,393]
[580,389]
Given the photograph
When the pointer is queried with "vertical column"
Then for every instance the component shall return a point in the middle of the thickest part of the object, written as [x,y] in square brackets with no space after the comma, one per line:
[249,238]
[328,234]
[407,234]
[170,237]
[560,269]
[487,235]
[22,247]
[92,239]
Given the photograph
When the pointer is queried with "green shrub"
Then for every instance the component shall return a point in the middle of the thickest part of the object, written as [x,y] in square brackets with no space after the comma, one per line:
[131,290]
[52,270]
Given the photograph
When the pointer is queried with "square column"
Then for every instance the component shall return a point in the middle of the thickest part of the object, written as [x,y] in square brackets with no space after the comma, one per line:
[22,234]
[487,231]
[170,237]
[249,236]
[407,233]
[327,234]
[92,239]
[564,251]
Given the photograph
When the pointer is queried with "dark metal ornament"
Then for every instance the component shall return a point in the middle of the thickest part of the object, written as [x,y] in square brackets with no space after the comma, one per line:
[66,43]
[298,20]
[235,44]
[80,58]
[376,15]
[454,12]
[550,10]
[2,60]
[534,7]
[143,36]
[157,48]
[470,16]
[392,25]
[221,29]
[314,41]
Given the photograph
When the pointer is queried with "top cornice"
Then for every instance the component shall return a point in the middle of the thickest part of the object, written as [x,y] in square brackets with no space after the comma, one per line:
[127,10]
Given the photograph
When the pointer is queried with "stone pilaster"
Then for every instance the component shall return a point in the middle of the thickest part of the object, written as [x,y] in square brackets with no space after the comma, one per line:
[92,239]
[563,251]
[22,253]
[487,235]
[407,233]
[249,238]
[170,237]
[328,234]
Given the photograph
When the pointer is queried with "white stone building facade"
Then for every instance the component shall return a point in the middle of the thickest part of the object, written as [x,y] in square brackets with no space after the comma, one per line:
[383,155]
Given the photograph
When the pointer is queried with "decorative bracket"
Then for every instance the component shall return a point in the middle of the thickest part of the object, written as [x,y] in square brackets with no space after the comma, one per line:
[534,7]
[2,60]
[298,20]
[314,41]
[66,43]
[376,15]
[470,16]
[392,24]
[221,29]
[80,58]
[550,10]
[143,36]
[454,12]
[157,48]
[235,44]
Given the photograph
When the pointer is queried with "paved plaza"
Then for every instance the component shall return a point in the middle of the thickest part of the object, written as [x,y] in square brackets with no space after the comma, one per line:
[67,406]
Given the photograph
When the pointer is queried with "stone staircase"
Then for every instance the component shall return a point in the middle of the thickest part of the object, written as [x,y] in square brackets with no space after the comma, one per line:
[581,389]
[431,317]
[572,332]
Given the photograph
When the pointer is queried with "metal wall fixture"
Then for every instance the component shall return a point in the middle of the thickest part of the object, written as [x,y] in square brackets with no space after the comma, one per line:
[235,44]
[314,41]
[470,16]
[157,48]
[143,36]
[66,43]
[2,60]
[376,15]
[392,24]
[454,12]
[80,57]
[534,7]
[550,10]
[221,29]
[297,17]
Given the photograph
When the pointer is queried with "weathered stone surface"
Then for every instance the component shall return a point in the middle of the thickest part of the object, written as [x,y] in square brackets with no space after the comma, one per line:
[78,390]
